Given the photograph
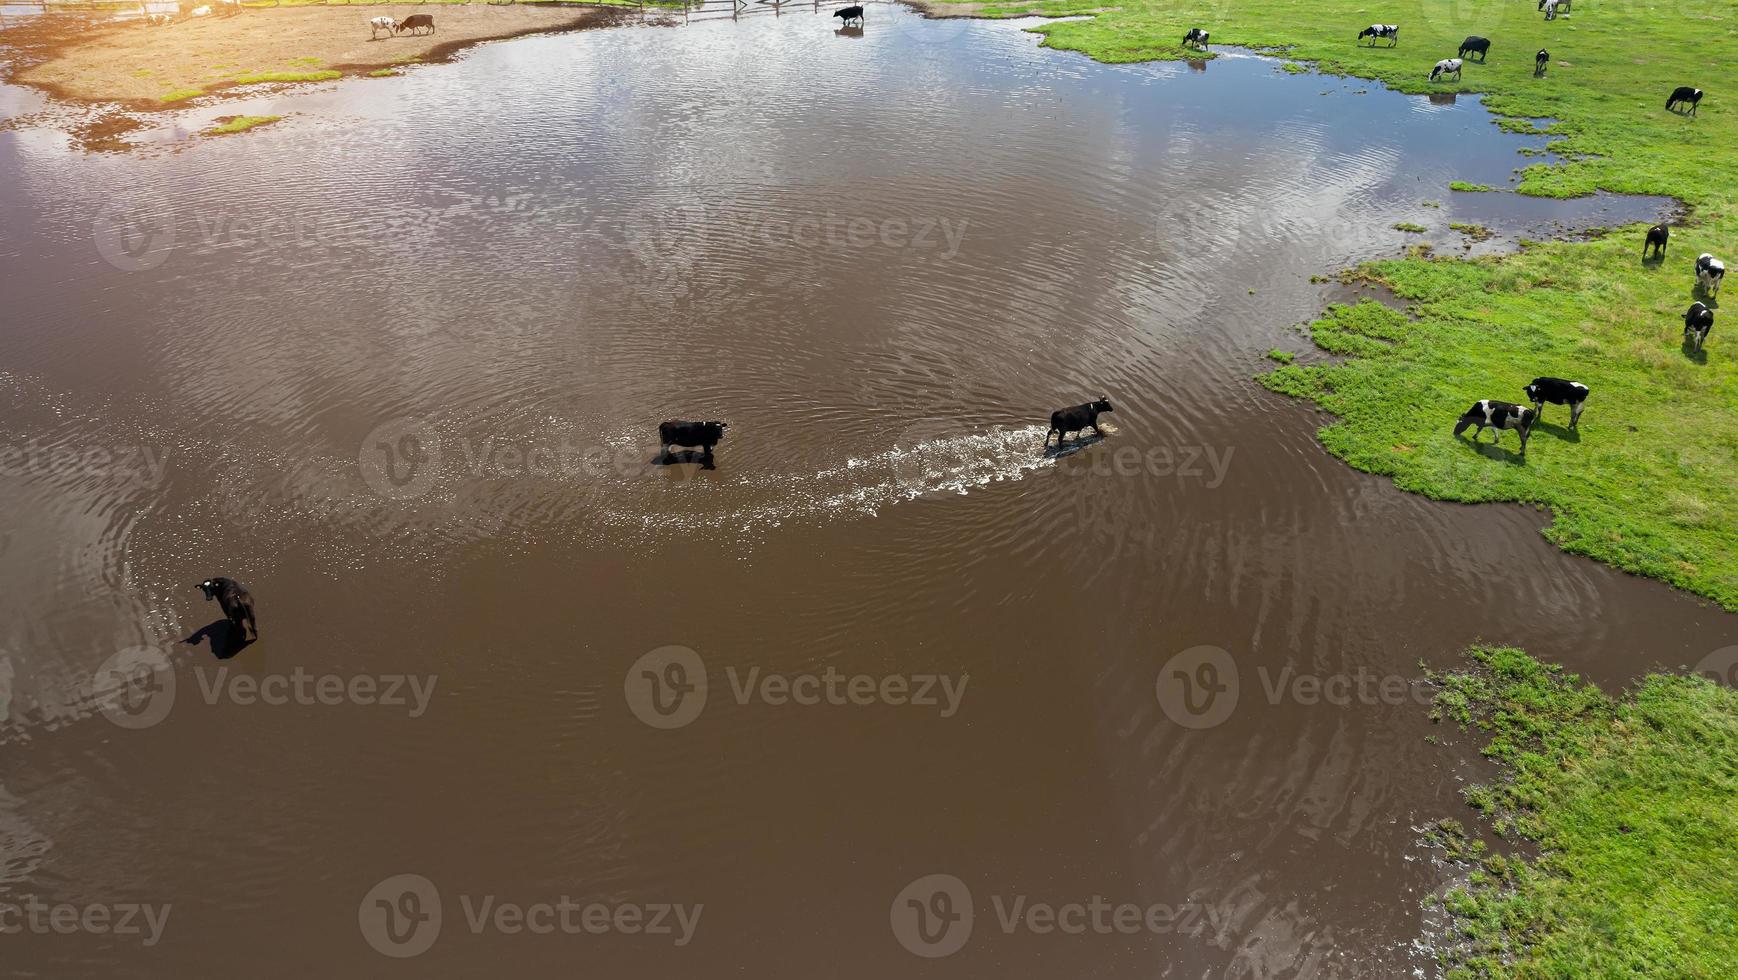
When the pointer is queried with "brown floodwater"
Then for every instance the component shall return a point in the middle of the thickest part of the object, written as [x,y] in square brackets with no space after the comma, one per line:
[397,363]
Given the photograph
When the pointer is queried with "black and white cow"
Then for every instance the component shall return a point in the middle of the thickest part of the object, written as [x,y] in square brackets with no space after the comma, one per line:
[1540,60]
[1447,66]
[1657,237]
[1066,420]
[235,601]
[1551,7]
[1686,95]
[1710,272]
[702,434]
[1498,416]
[1474,44]
[1698,320]
[1386,32]
[1195,38]
[1557,391]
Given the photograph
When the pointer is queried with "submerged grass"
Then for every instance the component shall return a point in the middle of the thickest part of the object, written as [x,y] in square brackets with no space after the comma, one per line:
[1650,482]
[239,124]
[1629,802]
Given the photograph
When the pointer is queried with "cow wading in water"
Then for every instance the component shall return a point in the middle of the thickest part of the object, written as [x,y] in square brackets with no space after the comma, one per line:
[1066,420]
[680,433]
[236,602]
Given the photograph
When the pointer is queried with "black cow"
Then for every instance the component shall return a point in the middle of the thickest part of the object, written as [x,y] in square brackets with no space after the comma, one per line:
[1480,46]
[1540,60]
[702,434]
[1697,322]
[1558,392]
[1499,416]
[414,23]
[849,14]
[1687,94]
[1196,38]
[1386,32]
[1657,238]
[1066,420]
[236,602]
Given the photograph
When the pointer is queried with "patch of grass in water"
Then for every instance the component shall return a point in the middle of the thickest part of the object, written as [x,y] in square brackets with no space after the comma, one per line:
[1476,232]
[239,124]
[1282,356]
[181,95]
[1293,68]
[1629,802]
[286,76]
[1469,188]
[383,73]
[1410,227]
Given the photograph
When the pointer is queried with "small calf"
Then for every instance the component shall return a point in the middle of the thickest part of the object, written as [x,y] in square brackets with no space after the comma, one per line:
[1540,60]
[679,433]
[378,24]
[414,23]
[1657,237]
[1710,272]
[1698,320]
[1687,95]
[1498,416]
[1066,420]
[1474,44]
[1447,66]
[235,601]
[1196,38]
[1387,32]
[1557,391]
[849,14]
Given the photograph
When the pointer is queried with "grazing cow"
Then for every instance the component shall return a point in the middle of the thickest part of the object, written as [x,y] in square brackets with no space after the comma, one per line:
[159,20]
[702,434]
[1066,420]
[1687,94]
[1447,66]
[1540,60]
[235,601]
[414,23]
[378,24]
[1558,392]
[1499,416]
[1196,38]
[1550,8]
[1657,237]
[1387,32]
[849,14]
[1474,44]
[1710,272]
[1697,322]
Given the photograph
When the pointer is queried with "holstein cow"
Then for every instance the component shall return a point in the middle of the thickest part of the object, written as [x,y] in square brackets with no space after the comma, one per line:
[1540,60]
[1196,38]
[1710,272]
[1558,392]
[1387,32]
[702,434]
[414,23]
[849,14]
[1657,237]
[1686,94]
[1447,66]
[1499,416]
[1550,8]
[1066,420]
[1697,322]
[1474,44]
[235,601]
[378,24]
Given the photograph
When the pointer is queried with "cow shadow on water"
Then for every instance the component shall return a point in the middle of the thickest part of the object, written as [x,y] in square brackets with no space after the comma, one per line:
[226,639]
[1060,450]
[705,460]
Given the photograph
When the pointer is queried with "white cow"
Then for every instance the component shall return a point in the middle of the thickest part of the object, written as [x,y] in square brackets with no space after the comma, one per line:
[203,11]
[1447,66]
[378,24]
[1710,272]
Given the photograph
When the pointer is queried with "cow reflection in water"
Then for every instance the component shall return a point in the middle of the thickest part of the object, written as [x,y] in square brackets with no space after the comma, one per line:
[1197,64]
[1442,98]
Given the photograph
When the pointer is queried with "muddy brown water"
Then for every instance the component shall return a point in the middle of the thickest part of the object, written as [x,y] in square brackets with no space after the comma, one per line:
[398,363]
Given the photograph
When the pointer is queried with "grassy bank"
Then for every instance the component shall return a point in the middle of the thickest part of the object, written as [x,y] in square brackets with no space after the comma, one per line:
[1629,803]
[1650,482]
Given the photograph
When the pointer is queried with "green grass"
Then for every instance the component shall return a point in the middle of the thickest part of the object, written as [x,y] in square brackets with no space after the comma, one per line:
[239,124]
[181,95]
[1410,227]
[1282,356]
[1476,232]
[1650,483]
[1467,187]
[383,73]
[286,76]
[1628,801]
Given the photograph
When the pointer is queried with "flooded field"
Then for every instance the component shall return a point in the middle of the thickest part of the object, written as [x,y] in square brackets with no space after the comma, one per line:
[398,363]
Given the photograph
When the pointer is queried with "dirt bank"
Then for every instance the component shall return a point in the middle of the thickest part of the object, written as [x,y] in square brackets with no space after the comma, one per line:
[81,60]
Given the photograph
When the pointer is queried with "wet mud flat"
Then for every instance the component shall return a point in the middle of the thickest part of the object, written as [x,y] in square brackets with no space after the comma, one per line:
[425,435]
